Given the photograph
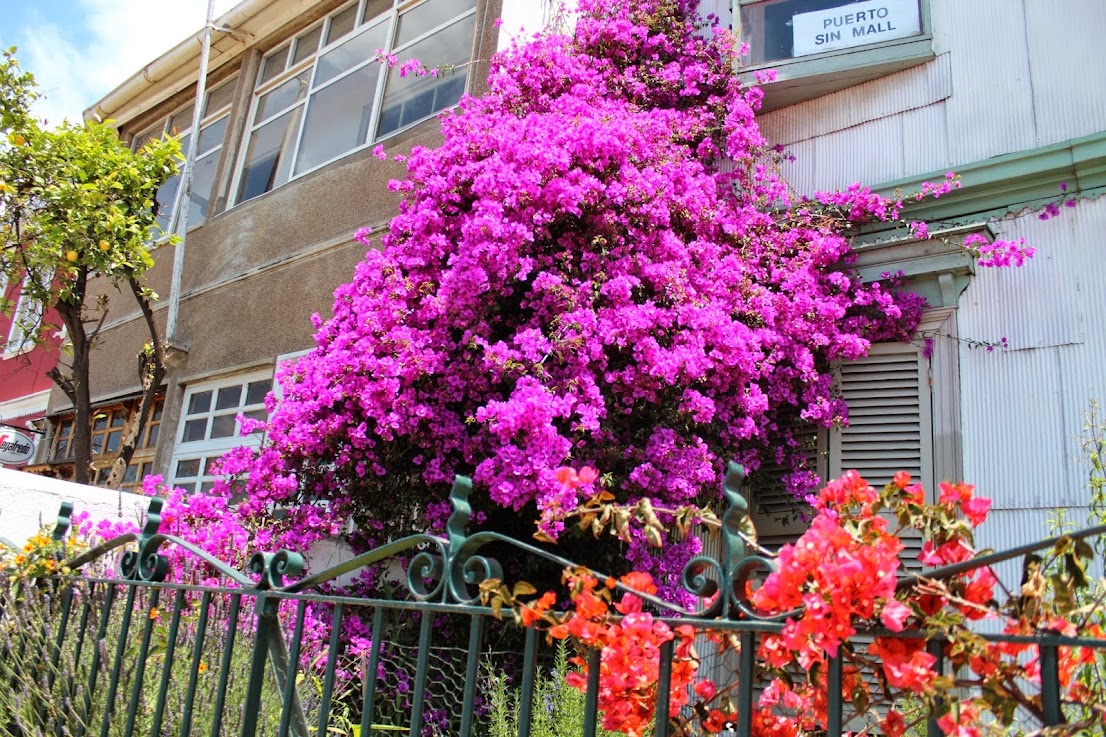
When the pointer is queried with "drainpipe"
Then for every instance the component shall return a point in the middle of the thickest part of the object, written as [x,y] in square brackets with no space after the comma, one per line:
[182,204]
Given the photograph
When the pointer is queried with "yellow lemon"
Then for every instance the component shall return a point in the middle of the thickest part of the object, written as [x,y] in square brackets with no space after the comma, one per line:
[16,139]
[104,245]
[71,256]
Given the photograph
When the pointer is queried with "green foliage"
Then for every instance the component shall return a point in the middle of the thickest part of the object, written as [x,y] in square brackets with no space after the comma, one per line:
[74,200]
[558,709]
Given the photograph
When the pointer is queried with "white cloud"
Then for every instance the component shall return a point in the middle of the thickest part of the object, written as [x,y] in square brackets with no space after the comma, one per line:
[76,67]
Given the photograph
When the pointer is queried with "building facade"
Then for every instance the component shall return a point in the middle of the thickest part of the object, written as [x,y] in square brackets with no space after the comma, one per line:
[888,92]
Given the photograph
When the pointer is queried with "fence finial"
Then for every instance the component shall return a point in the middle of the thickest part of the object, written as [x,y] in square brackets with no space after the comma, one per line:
[457,526]
[61,528]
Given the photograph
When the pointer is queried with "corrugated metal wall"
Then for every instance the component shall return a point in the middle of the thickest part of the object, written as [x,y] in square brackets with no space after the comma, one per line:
[1023,408]
[1010,75]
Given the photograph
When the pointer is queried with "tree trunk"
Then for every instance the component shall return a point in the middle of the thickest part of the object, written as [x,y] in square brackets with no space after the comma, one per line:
[151,367]
[75,384]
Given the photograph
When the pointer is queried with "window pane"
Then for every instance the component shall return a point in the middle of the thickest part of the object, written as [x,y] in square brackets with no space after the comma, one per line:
[152,134]
[220,97]
[200,402]
[97,444]
[374,9]
[195,430]
[338,118]
[359,48]
[411,98]
[211,135]
[257,390]
[188,468]
[257,414]
[203,181]
[182,121]
[63,445]
[770,27]
[269,156]
[188,488]
[222,427]
[118,418]
[100,422]
[229,396]
[210,465]
[307,44]
[207,486]
[152,436]
[428,16]
[114,438]
[273,65]
[285,94]
[131,475]
[157,410]
[341,24]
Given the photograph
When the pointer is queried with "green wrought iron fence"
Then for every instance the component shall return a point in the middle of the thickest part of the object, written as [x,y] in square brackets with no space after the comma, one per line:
[128,653]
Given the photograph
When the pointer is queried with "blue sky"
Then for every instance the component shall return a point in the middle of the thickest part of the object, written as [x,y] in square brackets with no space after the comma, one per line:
[79,50]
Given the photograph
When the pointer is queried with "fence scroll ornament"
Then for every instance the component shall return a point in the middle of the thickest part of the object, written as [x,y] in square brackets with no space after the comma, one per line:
[446,576]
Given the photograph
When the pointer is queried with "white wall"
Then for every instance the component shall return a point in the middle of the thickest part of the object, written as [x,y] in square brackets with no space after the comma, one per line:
[28,502]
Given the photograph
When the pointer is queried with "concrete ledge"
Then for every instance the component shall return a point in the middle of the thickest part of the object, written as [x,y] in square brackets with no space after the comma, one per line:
[29,502]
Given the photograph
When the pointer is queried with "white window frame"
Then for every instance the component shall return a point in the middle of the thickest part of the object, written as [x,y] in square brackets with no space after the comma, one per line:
[16,344]
[805,77]
[212,448]
[309,64]
[207,121]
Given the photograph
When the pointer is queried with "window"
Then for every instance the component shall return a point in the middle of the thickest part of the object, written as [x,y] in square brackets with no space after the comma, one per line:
[892,406]
[26,319]
[820,46]
[209,426]
[325,93]
[213,128]
[109,424]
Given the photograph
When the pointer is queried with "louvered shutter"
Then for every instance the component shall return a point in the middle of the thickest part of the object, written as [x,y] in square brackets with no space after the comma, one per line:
[778,516]
[890,422]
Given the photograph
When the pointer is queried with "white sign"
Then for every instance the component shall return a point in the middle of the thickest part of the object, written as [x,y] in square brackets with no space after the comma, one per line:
[15,447]
[855,24]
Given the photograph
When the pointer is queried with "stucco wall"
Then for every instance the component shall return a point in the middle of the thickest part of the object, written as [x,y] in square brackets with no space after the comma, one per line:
[27,502]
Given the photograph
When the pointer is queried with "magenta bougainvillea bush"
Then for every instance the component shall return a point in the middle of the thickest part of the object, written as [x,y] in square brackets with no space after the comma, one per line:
[600,265]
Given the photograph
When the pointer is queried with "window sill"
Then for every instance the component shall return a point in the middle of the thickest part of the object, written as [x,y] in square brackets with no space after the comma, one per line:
[806,78]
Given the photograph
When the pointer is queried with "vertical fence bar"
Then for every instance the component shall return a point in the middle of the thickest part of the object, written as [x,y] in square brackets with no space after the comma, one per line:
[936,648]
[369,677]
[93,673]
[332,664]
[63,625]
[140,664]
[117,664]
[834,701]
[746,666]
[293,670]
[419,704]
[526,698]
[224,666]
[194,667]
[167,666]
[472,673]
[591,698]
[70,682]
[265,609]
[664,687]
[1050,685]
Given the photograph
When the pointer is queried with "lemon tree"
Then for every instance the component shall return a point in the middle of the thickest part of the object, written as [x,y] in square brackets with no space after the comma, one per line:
[78,224]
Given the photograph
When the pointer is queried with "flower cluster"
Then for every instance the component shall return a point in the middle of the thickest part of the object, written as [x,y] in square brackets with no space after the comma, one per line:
[843,577]
[630,645]
[574,277]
